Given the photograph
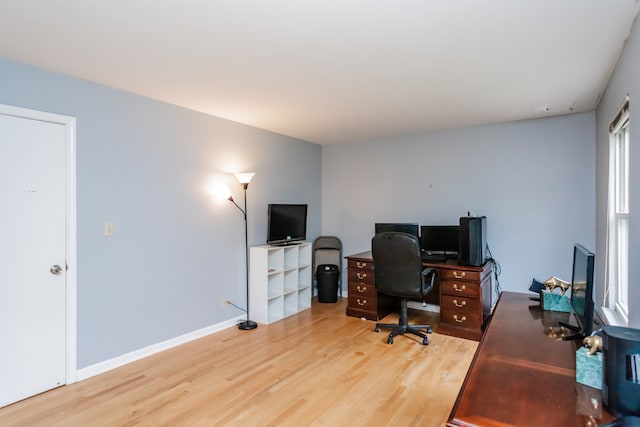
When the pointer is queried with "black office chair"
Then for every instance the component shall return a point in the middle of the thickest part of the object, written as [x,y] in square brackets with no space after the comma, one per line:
[398,272]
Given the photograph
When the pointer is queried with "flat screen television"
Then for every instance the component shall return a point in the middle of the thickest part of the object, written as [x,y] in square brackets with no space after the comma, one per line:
[286,223]
[440,239]
[401,227]
[582,292]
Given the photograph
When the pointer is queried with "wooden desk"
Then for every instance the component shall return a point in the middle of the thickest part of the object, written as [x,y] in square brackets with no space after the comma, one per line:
[462,292]
[521,375]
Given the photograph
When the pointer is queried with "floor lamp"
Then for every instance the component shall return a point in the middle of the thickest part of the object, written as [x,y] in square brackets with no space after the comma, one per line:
[244,179]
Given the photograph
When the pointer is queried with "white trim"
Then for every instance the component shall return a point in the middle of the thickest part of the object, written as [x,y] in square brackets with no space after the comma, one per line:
[71,231]
[416,305]
[616,257]
[116,362]
[72,255]
[610,317]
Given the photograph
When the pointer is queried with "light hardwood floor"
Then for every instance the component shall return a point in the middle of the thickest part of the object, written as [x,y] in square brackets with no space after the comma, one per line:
[317,368]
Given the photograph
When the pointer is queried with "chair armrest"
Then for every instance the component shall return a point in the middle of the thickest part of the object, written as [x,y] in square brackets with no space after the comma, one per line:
[428,284]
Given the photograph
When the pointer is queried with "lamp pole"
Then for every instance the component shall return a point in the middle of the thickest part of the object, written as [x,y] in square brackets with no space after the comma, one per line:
[244,179]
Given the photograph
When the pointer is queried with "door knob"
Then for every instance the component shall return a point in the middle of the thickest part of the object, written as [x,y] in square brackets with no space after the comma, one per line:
[55,269]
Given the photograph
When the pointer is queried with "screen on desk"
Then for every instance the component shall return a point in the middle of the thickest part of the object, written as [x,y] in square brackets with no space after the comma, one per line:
[402,227]
[582,288]
[440,239]
[581,293]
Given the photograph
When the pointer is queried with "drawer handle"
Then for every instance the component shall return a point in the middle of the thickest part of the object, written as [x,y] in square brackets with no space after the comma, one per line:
[361,275]
[462,319]
[361,264]
[459,304]
[361,288]
[361,303]
[459,275]
[459,289]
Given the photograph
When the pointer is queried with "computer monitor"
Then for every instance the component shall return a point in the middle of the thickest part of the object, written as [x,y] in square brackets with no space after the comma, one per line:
[582,288]
[582,303]
[402,227]
[286,223]
[440,239]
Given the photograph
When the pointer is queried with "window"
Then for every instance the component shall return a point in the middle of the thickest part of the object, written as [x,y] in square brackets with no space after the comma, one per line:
[617,267]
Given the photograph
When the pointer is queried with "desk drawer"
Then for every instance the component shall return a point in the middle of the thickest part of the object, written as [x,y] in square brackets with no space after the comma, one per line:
[364,302]
[460,319]
[473,276]
[362,289]
[459,287]
[364,276]
[460,303]
[360,265]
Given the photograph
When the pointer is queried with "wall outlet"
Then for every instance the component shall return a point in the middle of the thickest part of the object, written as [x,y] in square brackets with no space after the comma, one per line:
[108,229]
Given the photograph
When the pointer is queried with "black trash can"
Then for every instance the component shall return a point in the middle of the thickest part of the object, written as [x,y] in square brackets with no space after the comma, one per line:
[327,276]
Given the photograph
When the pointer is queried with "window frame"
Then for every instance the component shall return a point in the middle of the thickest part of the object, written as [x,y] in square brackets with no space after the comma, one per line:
[617,256]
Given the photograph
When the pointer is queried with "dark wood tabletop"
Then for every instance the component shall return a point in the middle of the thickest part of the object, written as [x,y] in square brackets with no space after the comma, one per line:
[523,373]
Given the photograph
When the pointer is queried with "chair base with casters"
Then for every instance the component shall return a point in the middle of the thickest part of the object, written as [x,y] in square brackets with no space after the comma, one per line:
[403,327]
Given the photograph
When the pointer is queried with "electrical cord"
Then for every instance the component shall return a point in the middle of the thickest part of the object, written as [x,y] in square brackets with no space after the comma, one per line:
[239,308]
[497,270]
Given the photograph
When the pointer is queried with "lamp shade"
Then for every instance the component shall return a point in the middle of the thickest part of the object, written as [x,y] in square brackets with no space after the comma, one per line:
[221,191]
[244,177]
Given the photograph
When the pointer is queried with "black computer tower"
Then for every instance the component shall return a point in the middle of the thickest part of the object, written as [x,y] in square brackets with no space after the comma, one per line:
[473,240]
[621,376]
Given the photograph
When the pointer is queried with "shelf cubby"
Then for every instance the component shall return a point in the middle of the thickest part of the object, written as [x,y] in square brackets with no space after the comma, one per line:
[279,281]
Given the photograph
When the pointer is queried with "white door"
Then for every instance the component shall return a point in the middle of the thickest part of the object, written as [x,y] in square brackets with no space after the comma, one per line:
[32,256]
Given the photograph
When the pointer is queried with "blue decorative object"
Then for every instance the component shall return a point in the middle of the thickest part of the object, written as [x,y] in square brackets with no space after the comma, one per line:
[554,302]
[589,368]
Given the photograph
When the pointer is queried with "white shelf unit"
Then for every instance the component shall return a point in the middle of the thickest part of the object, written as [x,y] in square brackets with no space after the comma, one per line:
[279,281]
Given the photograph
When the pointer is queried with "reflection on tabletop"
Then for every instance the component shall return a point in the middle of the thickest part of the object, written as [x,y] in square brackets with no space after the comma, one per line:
[550,321]
[588,399]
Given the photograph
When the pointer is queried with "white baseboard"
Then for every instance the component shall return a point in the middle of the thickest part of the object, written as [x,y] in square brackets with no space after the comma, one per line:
[116,362]
[426,307]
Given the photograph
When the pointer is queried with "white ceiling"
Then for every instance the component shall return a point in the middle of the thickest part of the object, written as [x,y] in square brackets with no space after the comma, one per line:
[330,71]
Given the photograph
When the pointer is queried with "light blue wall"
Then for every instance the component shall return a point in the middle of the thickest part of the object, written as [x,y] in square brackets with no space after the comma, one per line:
[534,180]
[625,80]
[145,166]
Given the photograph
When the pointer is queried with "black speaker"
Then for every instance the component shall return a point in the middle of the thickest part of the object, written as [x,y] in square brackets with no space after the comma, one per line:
[621,376]
[473,240]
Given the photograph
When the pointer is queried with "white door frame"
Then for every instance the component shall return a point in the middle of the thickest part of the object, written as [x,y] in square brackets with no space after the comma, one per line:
[71,245]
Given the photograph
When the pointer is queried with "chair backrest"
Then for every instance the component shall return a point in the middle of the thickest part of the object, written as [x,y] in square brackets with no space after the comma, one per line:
[397,264]
[327,250]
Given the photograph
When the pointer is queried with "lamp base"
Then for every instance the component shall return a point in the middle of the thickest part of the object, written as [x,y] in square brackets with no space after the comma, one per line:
[247,325]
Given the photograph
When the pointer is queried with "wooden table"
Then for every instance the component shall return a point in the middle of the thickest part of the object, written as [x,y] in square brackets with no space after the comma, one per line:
[523,374]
